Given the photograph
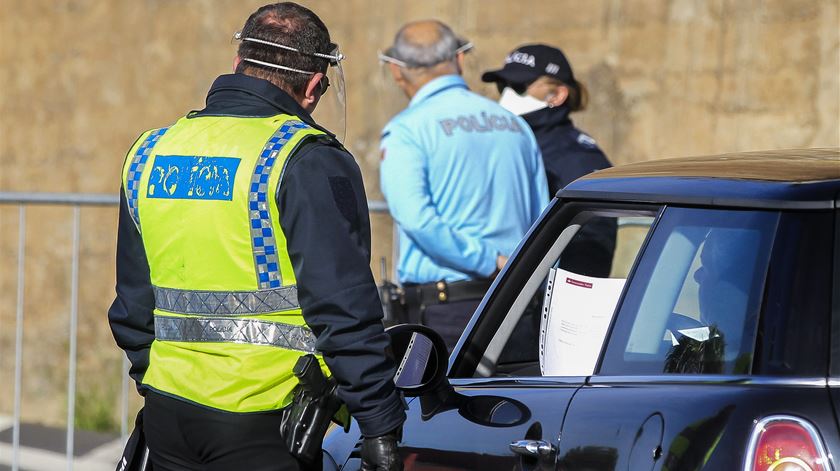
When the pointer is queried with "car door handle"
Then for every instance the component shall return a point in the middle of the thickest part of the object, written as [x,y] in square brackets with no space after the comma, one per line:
[532,448]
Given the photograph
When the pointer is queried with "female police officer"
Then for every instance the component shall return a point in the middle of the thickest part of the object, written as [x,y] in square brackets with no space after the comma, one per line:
[537,83]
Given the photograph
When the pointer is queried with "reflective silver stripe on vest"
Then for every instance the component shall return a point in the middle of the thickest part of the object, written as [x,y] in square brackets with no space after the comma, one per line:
[250,331]
[226,303]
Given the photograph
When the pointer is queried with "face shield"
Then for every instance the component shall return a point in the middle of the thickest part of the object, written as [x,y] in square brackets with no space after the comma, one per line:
[390,56]
[331,110]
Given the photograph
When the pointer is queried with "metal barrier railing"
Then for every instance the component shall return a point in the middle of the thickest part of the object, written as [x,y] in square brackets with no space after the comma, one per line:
[76,201]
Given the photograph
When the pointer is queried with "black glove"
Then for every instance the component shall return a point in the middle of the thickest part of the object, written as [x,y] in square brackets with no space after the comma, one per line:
[381,453]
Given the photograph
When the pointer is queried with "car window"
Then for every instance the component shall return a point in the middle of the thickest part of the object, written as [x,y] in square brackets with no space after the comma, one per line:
[835,295]
[794,331]
[547,333]
[694,301]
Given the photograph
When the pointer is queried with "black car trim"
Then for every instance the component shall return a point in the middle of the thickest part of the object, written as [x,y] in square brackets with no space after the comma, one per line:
[758,326]
[704,201]
[518,381]
[734,380]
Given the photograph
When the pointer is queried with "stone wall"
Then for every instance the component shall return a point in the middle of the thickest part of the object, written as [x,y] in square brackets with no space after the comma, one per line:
[81,79]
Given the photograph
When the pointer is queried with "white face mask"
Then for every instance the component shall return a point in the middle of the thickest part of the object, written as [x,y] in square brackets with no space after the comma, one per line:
[520,104]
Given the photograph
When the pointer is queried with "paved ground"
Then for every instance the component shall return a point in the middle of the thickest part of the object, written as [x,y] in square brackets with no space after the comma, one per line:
[43,448]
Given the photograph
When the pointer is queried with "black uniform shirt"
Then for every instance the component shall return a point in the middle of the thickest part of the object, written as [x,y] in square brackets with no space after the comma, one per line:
[568,153]
[324,216]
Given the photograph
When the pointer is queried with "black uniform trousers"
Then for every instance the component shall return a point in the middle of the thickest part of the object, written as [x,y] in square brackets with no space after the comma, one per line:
[183,436]
[447,319]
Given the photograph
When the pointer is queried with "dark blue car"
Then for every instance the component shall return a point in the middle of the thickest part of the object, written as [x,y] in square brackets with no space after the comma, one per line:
[709,339]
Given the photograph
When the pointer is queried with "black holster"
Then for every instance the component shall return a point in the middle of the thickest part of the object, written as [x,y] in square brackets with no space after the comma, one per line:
[134,456]
[394,308]
[306,420]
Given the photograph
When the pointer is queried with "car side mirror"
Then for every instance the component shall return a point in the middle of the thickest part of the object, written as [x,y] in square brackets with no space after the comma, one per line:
[421,358]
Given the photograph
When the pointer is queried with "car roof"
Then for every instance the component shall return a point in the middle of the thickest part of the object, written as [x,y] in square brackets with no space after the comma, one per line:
[789,179]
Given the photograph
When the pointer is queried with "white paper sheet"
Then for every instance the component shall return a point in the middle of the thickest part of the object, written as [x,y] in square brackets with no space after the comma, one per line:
[576,315]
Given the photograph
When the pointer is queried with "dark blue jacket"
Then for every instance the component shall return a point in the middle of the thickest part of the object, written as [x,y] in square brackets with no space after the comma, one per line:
[324,216]
[568,153]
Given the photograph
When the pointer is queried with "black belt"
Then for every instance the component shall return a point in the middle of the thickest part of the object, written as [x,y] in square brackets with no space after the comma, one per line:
[442,292]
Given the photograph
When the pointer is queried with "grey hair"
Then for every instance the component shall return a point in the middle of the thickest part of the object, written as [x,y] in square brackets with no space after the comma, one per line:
[426,55]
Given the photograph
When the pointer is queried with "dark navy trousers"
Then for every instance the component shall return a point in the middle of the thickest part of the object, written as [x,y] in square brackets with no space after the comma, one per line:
[183,436]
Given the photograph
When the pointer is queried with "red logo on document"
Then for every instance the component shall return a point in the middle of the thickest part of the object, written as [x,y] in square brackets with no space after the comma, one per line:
[575,282]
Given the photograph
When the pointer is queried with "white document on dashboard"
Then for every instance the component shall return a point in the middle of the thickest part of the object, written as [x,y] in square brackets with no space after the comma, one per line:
[576,314]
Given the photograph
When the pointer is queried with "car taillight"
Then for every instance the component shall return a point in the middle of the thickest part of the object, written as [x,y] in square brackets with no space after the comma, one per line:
[786,443]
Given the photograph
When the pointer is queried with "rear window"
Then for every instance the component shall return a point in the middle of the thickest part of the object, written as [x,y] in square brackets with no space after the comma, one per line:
[695,299]
[793,333]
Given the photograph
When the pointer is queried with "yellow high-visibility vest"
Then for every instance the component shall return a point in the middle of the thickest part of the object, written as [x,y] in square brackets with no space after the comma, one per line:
[228,327]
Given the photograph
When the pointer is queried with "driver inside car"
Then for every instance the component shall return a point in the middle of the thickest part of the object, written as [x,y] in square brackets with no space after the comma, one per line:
[724,283]
[723,294]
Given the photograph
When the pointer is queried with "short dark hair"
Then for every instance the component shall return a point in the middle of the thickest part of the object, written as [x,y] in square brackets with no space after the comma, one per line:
[578,96]
[292,25]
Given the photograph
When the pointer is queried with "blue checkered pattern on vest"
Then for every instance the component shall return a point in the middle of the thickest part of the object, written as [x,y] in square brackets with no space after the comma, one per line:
[262,233]
[135,171]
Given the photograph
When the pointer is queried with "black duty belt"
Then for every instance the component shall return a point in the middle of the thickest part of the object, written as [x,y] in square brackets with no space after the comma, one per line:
[442,292]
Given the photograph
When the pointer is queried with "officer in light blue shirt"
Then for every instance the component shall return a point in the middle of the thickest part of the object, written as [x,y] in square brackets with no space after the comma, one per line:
[463,179]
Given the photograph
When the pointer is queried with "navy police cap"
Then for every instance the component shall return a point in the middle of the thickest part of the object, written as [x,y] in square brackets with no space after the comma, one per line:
[531,61]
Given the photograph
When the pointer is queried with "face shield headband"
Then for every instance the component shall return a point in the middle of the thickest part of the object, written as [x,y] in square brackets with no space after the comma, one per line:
[334,57]
[388,57]
[332,113]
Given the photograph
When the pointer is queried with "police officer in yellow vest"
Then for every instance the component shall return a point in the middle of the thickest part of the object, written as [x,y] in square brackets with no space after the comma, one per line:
[244,243]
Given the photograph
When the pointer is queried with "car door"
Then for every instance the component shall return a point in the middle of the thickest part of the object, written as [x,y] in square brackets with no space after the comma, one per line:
[498,393]
[710,337]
